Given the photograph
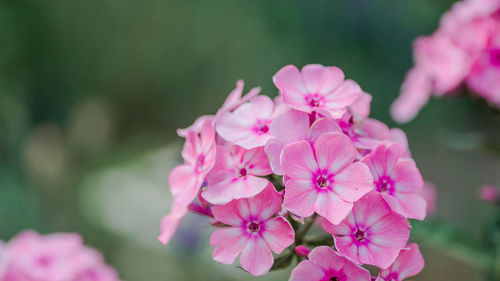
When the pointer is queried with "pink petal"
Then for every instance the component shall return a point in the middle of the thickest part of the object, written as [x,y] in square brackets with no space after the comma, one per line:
[307,271]
[259,107]
[334,151]
[196,127]
[248,187]
[298,160]
[207,135]
[299,197]
[324,256]
[343,228]
[321,126]
[361,107]
[346,247]
[289,81]
[409,262]
[265,204]
[378,256]
[228,242]
[170,222]
[353,182]
[331,207]
[331,79]
[220,188]
[257,162]
[256,257]
[412,206]
[233,129]
[290,126]
[184,184]
[278,234]
[231,213]
[407,177]
[192,148]
[273,150]
[343,96]
[313,77]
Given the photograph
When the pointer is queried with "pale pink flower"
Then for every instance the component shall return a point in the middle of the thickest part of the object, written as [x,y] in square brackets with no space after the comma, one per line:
[237,174]
[55,257]
[199,157]
[293,126]
[316,88]
[371,233]
[490,193]
[324,180]
[252,231]
[409,263]
[247,125]
[170,222]
[325,264]
[398,180]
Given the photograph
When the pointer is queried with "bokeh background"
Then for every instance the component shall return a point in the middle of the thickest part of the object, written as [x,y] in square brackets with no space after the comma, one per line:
[91,92]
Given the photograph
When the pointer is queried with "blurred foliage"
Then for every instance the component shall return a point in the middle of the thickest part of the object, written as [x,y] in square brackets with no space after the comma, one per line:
[94,90]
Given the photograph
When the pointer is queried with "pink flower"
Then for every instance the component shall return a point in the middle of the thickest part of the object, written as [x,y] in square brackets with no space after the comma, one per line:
[247,125]
[490,193]
[409,263]
[252,231]
[324,180]
[325,264]
[170,222]
[316,89]
[199,157]
[398,180]
[293,126]
[55,257]
[371,233]
[484,78]
[237,174]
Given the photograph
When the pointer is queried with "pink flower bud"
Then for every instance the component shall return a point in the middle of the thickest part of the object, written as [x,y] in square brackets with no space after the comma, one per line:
[302,251]
[490,193]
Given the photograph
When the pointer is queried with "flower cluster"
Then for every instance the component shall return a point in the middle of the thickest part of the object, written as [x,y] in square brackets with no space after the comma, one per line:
[55,257]
[465,50]
[264,170]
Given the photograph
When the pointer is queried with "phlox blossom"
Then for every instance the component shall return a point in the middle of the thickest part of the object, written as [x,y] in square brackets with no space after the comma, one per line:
[199,157]
[248,125]
[237,173]
[316,88]
[371,233]
[398,180]
[323,177]
[253,232]
[409,263]
[324,264]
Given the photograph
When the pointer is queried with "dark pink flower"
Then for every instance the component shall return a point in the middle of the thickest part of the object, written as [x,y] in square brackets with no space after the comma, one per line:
[253,232]
[325,264]
[371,233]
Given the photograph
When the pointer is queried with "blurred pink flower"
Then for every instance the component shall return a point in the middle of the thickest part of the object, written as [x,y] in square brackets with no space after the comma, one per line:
[409,263]
[429,193]
[199,157]
[325,264]
[316,89]
[248,125]
[490,193]
[398,180]
[371,233]
[252,231]
[237,174]
[54,257]
[324,180]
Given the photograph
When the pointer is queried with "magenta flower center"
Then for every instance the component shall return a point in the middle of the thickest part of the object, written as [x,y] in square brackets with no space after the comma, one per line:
[253,227]
[261,127]
[384,184]
[200,162]
[360,235]
[495,57]
[242,173]
[334,279]
[44,261]
[322,182]
[313,100]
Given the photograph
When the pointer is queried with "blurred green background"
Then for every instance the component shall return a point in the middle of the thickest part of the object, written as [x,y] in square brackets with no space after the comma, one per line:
[91,93]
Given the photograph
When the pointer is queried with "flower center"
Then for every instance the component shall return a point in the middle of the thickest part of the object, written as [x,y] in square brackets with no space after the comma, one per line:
[313,100]
[322,182]
[360,235]
[200,161]
[384,184]
[495,57]
[334,279]
[262,127]
[253,227]
[242,173]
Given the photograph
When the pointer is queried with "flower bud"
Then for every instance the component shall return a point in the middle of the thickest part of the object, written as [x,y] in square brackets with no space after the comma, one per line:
[302,251]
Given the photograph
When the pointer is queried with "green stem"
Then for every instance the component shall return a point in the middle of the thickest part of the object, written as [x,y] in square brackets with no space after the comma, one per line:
[300,236]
